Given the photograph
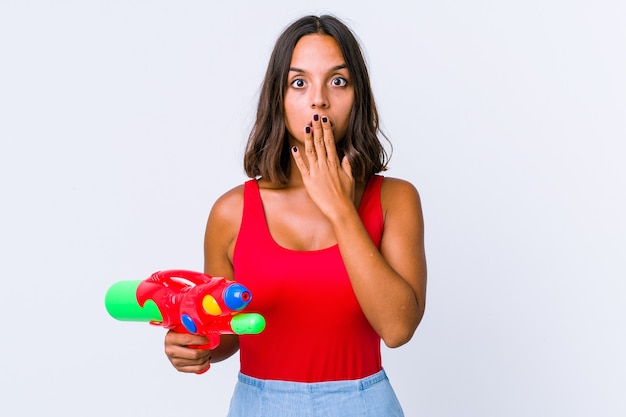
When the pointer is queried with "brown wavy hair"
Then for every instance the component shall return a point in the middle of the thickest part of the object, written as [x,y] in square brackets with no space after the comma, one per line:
[267,152]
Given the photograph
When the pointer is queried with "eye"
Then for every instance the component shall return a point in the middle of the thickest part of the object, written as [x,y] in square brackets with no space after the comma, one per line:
[339,82]
[298,83]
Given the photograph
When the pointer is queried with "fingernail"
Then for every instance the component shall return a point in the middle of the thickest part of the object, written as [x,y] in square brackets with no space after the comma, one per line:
[316,117]
[307,129]
[324,119]
[294,149]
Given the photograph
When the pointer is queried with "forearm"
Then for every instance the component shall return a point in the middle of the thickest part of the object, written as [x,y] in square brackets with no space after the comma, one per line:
[387,299]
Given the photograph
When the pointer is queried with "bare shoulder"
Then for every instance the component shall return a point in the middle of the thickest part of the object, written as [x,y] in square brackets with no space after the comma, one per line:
[221,232]
[398,192]
[225,220]
[229,206]
[402,206]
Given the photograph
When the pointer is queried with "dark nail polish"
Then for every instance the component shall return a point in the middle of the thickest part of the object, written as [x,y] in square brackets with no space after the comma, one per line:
[316,117]
[324,119]
[294,149]
[307,129]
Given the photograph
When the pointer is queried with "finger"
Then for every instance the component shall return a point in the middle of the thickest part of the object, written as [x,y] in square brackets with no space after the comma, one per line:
[303,161]
[299,160]
[309,145]
[318,138]
[329,140]
[195,367]
[186,353]
[190,360]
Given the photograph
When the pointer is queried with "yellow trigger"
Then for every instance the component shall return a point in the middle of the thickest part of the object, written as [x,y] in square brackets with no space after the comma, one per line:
[210,306]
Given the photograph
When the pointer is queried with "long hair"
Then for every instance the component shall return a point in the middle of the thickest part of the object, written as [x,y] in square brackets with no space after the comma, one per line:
[267,152]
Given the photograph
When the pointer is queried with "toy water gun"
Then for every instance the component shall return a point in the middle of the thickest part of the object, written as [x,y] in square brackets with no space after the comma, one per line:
[186,302]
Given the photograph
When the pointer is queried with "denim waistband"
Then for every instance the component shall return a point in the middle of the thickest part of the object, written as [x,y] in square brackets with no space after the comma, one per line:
[284,386]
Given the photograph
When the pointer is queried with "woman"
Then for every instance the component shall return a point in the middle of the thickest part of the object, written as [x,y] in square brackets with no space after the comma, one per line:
[332,252]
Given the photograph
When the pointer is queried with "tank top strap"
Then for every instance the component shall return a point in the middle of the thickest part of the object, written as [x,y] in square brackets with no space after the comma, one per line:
[253,229]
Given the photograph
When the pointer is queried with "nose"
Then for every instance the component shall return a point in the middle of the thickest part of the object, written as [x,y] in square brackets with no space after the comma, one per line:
[319,98]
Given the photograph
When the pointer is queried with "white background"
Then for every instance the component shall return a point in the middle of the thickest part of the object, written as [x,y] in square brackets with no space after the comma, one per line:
[122,121]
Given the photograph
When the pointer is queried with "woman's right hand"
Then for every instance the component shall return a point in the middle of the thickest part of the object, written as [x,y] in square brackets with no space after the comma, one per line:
[185,358]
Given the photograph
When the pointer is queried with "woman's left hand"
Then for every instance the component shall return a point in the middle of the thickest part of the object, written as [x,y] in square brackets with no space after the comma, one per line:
[327,181]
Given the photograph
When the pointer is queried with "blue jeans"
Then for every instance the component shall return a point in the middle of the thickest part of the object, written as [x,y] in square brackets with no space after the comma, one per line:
[371,396]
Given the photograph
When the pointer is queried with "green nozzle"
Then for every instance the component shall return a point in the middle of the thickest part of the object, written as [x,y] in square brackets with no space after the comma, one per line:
[121,303]
[247,323]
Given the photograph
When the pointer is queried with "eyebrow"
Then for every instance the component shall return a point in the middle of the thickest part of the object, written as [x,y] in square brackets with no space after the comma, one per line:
[335,68]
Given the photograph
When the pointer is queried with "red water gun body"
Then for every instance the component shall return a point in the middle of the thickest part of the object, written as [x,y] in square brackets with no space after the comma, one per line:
[192,302]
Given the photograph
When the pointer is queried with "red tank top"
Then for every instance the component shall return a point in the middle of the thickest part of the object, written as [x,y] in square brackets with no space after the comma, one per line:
[316,330]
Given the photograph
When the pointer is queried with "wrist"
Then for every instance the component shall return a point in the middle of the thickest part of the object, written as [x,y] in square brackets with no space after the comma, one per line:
[343,215]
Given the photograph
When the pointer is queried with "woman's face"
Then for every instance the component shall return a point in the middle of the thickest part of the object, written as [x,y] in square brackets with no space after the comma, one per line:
[318,83]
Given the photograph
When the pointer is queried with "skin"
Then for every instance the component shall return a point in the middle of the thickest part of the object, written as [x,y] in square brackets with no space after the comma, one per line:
[317,208]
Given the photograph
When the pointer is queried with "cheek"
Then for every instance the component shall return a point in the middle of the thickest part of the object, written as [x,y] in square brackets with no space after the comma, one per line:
[295,116]
[342,123]
[291,120]
[293,123]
